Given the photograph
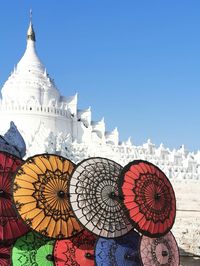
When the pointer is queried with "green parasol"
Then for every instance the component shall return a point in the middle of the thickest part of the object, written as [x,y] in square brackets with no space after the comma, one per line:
[44,254]
[34,250]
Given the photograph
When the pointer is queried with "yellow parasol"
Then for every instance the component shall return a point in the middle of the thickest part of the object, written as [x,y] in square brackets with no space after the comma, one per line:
[40,192]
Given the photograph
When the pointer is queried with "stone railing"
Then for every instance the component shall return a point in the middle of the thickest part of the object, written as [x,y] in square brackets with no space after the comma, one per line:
[34,109]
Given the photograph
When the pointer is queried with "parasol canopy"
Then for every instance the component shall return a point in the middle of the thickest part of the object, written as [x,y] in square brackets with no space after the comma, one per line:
[78,250]
[12,142]
[11,226]
[148,198]
[94,197]
[159,251]
[32,249]
[5,254]
[40,194]
[122,251]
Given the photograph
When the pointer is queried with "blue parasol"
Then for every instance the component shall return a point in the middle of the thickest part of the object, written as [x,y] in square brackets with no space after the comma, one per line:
[122,251]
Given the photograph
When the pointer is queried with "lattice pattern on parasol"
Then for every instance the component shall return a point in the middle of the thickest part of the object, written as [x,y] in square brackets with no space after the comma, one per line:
[94,197]
[122,251]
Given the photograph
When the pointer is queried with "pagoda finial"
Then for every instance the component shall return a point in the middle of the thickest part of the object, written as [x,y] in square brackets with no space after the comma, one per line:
[30,12]
[30,32]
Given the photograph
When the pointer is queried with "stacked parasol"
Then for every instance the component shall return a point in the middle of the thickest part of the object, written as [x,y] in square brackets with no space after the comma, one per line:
[53,212]
[11,226]
[150,204]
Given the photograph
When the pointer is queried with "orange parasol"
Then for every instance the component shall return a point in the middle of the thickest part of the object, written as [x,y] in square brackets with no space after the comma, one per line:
[41,197]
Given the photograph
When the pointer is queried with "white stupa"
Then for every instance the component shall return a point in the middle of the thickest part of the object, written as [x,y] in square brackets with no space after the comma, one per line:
[30,97]
[50,122]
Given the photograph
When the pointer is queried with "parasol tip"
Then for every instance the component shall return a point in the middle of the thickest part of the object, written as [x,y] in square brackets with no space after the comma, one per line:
[50,257]
[129,257]
[164,253]
[89,256]
[74,232]
[61,194]
[157,196]
[2,193]
[112,195]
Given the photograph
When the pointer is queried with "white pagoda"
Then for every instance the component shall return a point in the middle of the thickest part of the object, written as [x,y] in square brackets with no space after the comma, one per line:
[50,122]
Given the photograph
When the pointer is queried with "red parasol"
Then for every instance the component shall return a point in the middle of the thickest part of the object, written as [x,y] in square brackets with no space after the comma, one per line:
[159,251]
[5,255]
[78,250]
[148,198]
[11,226]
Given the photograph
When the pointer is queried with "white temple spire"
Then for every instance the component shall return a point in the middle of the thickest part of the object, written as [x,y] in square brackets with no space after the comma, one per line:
[30,32]
[29,84]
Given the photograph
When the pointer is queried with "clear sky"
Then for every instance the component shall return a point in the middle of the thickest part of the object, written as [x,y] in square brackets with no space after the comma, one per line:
[136,63]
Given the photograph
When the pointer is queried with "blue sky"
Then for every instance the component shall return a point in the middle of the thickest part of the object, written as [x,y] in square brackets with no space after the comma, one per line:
[136,63]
